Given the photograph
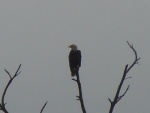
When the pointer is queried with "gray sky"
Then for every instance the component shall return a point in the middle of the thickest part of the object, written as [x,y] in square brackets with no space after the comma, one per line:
[36,33]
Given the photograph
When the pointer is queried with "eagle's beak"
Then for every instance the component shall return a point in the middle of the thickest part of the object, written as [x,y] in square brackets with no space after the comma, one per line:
[69,46]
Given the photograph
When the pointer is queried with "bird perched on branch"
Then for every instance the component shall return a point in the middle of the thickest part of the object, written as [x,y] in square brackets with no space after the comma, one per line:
[74,59]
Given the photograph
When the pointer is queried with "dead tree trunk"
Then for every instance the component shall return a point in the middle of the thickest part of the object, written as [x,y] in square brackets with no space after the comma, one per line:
[118,97]
[80,98]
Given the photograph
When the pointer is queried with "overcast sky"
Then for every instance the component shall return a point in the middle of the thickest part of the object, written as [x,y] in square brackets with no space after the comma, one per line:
[36,34]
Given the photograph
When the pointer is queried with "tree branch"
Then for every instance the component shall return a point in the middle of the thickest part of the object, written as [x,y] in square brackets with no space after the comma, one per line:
[2,105]
[110,100]
[43,107]
[128,77]
[136,58]
[126,70]
[80,92]
[8,73]
[74,79]
[119,98]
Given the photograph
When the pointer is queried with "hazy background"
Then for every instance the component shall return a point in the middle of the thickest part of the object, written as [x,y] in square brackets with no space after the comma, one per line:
[36,33]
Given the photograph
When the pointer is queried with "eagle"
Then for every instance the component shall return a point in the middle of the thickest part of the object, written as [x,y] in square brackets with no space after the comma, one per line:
[74,59]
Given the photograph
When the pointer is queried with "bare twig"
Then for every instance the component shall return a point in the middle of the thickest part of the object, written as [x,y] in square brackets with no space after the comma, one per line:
[128,77]
[119,98]
[17,71]
[43,107]
[8,73]
[110,100]
[74,79]
[126,70]
[136,58]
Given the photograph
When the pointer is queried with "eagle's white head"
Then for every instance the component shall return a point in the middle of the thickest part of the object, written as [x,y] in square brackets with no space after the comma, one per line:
[73,47]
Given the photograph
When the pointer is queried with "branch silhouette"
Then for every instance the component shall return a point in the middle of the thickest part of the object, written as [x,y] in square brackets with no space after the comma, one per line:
[43,107]
[2,104]
[80,97]
[118,97]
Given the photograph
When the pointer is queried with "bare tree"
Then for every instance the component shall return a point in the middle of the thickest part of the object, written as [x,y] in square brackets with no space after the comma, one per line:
[2,104]
[80,97]
[118,97]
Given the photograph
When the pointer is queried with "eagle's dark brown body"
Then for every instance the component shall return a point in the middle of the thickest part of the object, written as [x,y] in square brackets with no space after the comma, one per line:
[74,61]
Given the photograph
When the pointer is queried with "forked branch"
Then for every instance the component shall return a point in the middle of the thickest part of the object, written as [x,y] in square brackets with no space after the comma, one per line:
[118,97]
[2,104]
[136,57]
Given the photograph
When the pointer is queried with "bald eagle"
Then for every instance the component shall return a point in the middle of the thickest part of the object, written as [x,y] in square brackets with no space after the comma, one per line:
[74,59]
